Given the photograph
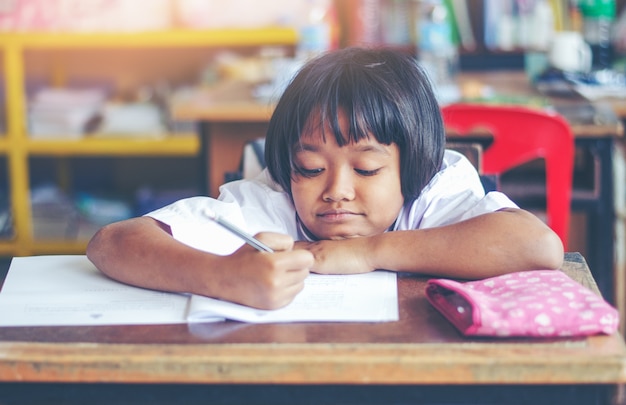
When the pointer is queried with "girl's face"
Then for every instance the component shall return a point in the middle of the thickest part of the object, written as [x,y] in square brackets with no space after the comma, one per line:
[349,191]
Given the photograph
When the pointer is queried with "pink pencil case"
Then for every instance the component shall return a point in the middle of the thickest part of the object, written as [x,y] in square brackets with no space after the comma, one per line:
[538,303]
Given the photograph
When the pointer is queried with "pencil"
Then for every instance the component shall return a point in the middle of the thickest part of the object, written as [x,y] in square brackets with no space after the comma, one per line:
[250,240]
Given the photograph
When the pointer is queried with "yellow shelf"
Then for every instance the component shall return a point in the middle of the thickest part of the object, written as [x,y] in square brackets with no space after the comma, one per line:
[15,248]
[181,38]
[18,147]
[176,145]
[4,144]
[8,248]
[45,247]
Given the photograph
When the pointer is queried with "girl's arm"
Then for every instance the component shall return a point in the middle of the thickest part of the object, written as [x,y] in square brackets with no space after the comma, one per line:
[141,252]
[491,244]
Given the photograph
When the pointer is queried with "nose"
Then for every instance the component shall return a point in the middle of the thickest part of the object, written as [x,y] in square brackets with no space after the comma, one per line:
[339,186]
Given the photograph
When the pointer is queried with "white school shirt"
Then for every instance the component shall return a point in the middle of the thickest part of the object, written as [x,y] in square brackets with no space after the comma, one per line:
[454,194]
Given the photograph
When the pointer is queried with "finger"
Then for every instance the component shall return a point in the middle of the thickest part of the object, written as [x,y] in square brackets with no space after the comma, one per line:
[280,288]
[276,241]
[302,244]
[296,261]
[287,294]
[290,268]
[292,291]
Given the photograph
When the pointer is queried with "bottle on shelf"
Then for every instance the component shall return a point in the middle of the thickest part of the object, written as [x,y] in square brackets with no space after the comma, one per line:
[436,48]
[598,17]
[317,33]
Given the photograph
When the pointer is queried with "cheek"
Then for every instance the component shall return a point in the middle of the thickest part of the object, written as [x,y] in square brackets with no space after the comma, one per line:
[300,195]
[389,199]
[387,204]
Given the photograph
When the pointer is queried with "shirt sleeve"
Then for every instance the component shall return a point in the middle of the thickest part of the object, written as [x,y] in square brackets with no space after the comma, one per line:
[454,194]
[254,206]
[191,226]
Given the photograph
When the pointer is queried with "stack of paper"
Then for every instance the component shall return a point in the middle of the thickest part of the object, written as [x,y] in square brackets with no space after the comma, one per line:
[63,112]
[132,119]
[69,290]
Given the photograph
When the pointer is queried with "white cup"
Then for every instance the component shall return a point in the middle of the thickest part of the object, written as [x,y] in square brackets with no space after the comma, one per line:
[569,52]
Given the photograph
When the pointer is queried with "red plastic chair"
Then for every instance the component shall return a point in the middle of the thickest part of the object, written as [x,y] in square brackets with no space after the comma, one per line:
[520,135]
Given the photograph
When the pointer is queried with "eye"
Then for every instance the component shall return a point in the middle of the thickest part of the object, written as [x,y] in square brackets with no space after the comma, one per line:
[308,172]
[367,172]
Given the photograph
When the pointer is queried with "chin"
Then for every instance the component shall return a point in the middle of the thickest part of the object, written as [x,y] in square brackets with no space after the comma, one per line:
[336,234]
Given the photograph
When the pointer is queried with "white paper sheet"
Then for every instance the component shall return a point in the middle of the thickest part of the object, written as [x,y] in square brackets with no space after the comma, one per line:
[369,297]
[69,290]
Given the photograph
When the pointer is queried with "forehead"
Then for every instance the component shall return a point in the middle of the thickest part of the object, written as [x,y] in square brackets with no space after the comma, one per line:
[317,142]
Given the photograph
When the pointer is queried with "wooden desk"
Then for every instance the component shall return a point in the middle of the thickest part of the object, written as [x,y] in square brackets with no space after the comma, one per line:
[418,358]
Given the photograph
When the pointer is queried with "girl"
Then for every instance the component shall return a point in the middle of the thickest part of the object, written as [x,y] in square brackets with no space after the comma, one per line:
[357,180]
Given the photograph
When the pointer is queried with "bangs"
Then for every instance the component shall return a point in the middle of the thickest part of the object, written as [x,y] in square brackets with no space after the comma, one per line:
[326,122]
[369,109]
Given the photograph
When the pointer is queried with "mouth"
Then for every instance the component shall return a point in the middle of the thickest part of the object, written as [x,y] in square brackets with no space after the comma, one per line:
[336,216]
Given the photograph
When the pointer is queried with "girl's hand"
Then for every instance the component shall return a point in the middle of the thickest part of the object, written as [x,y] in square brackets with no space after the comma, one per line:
[265,280]
[346,256]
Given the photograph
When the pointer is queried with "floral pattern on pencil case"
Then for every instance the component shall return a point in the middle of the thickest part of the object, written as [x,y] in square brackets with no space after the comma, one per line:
[540,303]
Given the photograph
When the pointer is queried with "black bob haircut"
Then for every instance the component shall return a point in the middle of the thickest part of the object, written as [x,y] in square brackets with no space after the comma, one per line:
[383,93]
